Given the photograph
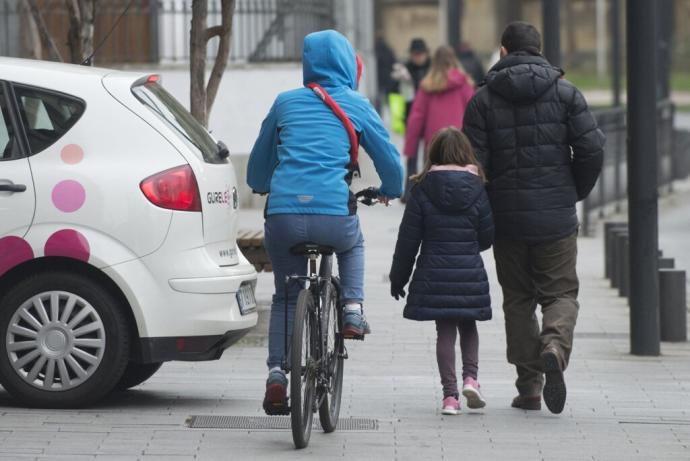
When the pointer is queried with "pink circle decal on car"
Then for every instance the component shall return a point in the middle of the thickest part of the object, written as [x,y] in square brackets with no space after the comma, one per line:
[14,251]
[72,154]
[68,243]
[68,196]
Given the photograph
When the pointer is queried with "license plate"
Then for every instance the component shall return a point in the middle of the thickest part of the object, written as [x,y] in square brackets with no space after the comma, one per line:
[246,299]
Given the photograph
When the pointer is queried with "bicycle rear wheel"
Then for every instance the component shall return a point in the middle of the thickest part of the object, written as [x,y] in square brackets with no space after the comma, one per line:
[332,325]
[303,370]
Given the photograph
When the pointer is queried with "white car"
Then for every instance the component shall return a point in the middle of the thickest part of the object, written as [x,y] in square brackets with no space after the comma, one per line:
[118,216]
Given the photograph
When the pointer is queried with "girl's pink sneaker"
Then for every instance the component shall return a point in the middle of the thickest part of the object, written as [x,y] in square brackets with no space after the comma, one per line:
[451,406]
[470,389]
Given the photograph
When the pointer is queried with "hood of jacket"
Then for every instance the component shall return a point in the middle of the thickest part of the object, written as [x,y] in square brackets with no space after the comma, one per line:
[329,60]
[452,190]
[521,77]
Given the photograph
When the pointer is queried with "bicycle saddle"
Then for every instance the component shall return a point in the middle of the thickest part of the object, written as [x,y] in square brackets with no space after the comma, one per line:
[308,248]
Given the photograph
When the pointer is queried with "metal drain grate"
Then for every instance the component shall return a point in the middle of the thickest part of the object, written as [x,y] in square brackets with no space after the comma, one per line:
[272,423]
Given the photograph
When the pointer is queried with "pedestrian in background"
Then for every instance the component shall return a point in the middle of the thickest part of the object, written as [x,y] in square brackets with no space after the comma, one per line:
[385,60]
[542,152]
[448,214]
[411,73]
[470,62]
[440,102]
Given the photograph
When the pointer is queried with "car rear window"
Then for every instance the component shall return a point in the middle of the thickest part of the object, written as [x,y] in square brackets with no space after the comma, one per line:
[163,104]
[47,115]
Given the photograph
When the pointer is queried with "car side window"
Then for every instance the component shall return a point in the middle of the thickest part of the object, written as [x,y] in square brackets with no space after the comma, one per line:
[9,144]
[46,115]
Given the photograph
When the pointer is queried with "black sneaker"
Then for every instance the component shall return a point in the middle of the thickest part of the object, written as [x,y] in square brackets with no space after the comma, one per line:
[554,388]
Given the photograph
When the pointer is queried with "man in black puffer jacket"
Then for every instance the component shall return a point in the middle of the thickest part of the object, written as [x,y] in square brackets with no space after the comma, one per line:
[542,152]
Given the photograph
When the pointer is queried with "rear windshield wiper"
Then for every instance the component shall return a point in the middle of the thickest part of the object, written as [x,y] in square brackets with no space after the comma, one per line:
[223,151]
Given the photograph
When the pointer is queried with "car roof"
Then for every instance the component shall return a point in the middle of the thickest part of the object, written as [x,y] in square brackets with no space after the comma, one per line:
[53,74]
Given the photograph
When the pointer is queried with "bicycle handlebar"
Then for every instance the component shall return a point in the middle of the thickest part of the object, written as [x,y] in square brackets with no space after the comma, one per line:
[368,196]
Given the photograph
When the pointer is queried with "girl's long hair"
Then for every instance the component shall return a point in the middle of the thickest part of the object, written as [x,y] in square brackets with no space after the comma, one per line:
[443,61]
[449,146]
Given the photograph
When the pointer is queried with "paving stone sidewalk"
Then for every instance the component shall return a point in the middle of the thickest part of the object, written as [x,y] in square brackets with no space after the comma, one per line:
[619,407]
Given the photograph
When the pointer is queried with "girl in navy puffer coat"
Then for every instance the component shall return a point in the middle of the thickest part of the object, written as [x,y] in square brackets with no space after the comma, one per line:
[448,214]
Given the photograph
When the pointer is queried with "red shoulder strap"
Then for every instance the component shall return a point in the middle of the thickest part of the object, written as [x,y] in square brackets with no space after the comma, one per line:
[340,113]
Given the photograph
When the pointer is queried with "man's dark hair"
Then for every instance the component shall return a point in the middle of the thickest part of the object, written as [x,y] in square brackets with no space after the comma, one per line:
[521,36]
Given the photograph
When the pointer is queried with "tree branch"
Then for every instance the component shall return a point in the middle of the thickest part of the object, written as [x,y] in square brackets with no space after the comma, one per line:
[227,12]
[215,31]
[73,39]
[46,40]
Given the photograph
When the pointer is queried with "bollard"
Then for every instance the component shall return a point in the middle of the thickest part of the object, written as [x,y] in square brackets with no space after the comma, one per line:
[623,242]
[673,309]
[616,267]
[667,263]
[608,244]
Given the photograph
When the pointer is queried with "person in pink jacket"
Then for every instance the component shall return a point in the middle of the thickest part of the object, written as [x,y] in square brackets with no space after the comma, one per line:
[440,102]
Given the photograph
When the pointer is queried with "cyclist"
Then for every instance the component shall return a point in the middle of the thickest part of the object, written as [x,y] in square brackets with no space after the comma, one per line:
[304,161]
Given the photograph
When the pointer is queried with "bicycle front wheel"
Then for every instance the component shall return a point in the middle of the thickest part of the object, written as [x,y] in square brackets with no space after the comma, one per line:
[302,369]
[333,348]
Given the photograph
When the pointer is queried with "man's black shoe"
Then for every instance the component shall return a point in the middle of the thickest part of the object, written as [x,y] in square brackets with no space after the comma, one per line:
[554,388]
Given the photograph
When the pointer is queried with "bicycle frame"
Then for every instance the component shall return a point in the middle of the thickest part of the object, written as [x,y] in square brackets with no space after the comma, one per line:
[315,282]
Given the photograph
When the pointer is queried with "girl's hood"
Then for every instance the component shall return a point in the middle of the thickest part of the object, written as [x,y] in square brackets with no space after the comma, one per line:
[452,190]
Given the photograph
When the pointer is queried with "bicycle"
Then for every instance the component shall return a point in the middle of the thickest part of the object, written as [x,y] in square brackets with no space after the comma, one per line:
[317,353]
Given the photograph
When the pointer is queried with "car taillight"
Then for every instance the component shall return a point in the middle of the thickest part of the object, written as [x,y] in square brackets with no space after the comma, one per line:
[174,189]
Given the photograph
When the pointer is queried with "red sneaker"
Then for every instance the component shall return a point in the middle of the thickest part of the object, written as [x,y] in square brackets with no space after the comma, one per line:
[275,400]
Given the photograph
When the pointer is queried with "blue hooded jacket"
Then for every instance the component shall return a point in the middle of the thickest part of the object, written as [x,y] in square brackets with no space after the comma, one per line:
[301,156]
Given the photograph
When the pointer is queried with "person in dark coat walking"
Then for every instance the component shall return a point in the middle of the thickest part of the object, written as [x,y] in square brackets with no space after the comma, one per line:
[411,74]
[449,215]
[470,62]
[542,152]
[418,64]
[385,59]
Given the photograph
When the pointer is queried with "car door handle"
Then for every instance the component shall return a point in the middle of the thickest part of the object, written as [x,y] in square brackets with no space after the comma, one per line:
[12,188]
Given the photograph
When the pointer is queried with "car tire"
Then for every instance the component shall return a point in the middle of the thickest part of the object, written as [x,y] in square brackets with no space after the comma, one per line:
[137,373]
[64,340]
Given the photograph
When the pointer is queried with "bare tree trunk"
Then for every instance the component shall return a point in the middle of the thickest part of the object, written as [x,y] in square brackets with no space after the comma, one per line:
[31,40]
[203,94]
[47,44]
[80,36]
[197,60]
[224,31]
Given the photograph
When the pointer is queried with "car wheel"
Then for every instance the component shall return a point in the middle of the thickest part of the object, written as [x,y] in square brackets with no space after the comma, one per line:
[137,373]
[64,341]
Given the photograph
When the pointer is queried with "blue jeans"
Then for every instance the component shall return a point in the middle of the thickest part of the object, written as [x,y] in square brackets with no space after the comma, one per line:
[282,232]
